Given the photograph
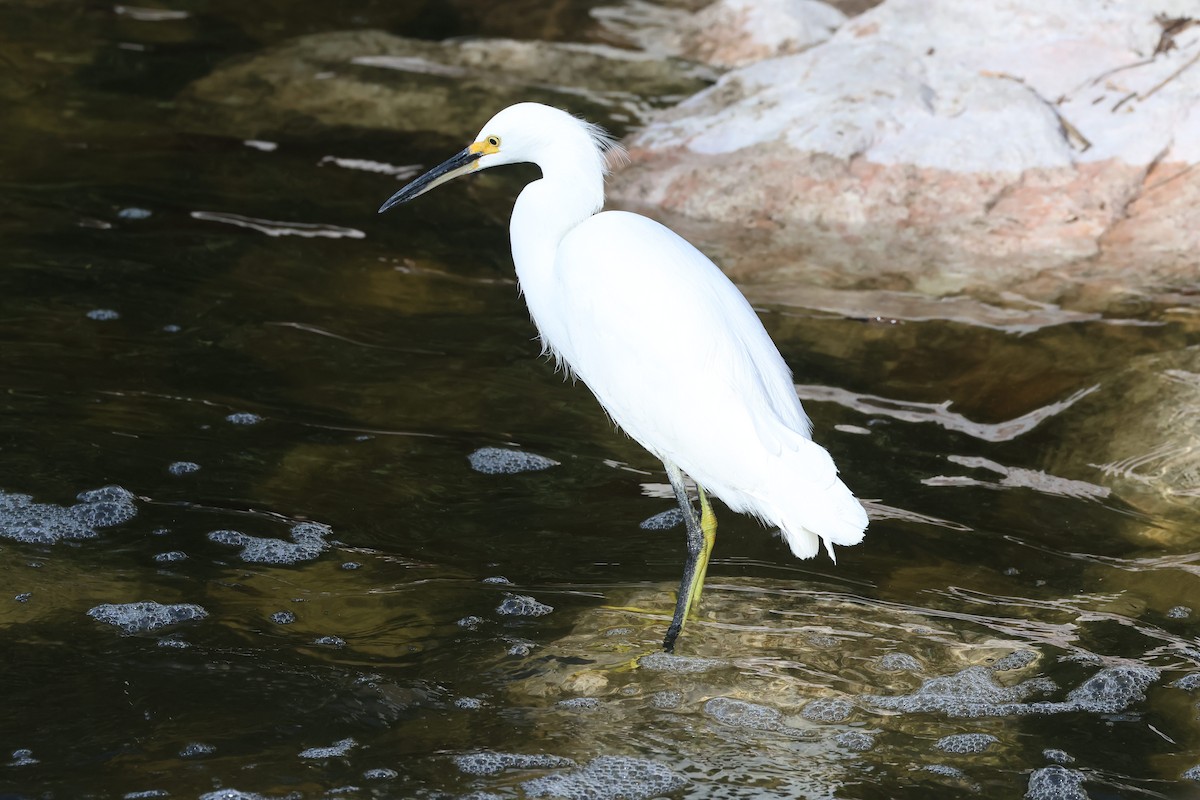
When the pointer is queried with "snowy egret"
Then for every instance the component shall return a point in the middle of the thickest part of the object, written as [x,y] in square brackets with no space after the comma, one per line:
[669,346]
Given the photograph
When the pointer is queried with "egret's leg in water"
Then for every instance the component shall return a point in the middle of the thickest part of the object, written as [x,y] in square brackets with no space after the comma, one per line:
[708,529]
[701,533]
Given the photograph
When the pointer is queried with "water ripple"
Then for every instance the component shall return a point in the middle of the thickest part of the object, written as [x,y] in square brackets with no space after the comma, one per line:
[940,413]
[307,230]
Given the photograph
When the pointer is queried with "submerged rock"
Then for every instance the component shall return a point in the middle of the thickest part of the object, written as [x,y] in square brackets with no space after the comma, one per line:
[371,79]
[1140,434]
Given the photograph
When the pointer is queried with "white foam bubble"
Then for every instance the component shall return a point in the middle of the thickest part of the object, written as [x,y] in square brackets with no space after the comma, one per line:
[972,692]
[662,521]
[966,742]
[44,523]
[669,662]
[858,741]
[22,757]
[308,541]
[487,762]
[1055,783]
[827,709]
[519,605]
[196,750]
[145,616]
[503,461]
[336,750]
[608,778]
[898,662]
[742,714]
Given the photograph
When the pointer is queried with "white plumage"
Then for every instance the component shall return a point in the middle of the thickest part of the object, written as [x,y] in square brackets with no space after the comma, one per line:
[669,346]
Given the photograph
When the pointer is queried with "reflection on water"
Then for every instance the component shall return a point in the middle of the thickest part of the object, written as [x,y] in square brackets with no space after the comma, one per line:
[353,538]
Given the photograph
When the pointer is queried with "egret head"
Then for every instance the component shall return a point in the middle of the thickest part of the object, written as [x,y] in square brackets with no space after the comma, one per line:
[522,133]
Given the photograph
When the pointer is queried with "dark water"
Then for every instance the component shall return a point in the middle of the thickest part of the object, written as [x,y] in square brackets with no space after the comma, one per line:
[158,315]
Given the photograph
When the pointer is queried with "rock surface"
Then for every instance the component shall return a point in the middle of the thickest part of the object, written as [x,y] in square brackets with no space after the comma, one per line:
[727,33]
[949,148]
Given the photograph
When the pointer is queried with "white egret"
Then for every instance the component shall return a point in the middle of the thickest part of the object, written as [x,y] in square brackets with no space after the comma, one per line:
[669,346]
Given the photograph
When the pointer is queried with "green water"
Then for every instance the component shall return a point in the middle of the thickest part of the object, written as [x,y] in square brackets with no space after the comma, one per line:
[377,356]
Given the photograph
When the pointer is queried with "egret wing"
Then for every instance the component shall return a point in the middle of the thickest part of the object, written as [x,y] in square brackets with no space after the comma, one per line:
[670,347]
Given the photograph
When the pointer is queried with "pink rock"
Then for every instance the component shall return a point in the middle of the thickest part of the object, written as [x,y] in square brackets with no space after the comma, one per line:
[731,33]
[948,147]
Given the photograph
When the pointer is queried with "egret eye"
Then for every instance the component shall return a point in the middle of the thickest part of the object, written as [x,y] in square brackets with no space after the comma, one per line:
[493,141]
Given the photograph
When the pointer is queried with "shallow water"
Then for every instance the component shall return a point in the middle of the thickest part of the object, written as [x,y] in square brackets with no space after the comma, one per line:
[356,598]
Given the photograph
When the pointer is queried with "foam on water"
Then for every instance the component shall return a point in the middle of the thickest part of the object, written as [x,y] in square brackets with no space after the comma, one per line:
[741,714]
[380,774]
[1112,690]
[1179,612]
[667,698]
[1017,659]
[330,641]
[183,467]
[579,703]
[1188,682]
[308,541]
[146,795]
[243,418]
[22,757]
[608,778]
[44,523]
[1055,783]
[232,794]
[486,762]
[1192,774]
[899,662]
[858,741]
[519,605]
[663,521]
[503,461]
[669,662]
[283,617]
[827,709]
[336,750]
[196,750]
[1058,756]
[966,742]
[103,314]
[170,556]
[973,692]
[146,615]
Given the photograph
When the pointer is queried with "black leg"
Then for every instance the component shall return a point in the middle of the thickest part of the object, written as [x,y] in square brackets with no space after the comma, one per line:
[695,543]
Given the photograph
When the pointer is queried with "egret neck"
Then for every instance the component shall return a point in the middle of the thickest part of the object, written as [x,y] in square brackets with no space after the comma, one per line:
[570,191]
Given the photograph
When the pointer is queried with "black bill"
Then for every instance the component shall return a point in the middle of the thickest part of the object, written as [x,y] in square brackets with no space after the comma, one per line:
[447,170]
